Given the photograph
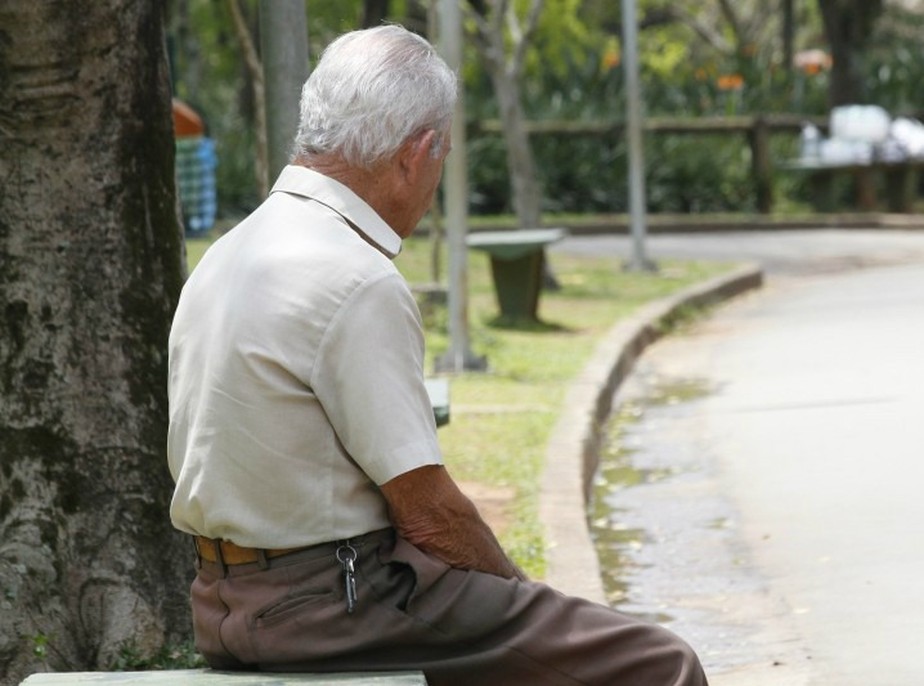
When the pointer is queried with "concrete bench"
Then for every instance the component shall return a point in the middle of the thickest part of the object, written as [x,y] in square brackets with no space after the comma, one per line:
[898,180]
[438,390]
[208,677]
[516,266]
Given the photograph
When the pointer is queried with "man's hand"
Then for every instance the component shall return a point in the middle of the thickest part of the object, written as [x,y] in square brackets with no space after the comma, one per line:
[428,510]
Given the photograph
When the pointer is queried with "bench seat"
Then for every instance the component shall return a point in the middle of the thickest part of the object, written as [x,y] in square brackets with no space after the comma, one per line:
[209,677]
[516,266]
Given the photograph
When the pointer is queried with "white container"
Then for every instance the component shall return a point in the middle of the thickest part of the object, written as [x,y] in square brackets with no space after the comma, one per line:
[838,151]
[860,123]
[909,134]
[811,143]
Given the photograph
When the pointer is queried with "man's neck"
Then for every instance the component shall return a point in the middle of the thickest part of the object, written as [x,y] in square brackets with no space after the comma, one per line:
[375,186]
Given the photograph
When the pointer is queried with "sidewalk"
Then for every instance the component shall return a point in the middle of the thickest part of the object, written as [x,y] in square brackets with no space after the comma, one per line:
[784,542]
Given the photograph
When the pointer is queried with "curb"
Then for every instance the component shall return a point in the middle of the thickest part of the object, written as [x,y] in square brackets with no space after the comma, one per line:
[572,453]
[684,224]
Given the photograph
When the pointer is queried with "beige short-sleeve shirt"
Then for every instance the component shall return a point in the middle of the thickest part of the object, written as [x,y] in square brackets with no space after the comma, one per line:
[296,374]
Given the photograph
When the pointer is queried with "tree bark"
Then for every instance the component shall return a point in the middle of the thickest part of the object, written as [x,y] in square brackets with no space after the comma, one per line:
[91,265]
[848,26]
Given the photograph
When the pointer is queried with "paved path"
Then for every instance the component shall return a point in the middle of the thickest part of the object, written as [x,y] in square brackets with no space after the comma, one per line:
[784,252]
[777,519]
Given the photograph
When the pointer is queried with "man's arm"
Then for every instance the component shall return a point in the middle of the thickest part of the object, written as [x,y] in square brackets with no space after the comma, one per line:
[428,509]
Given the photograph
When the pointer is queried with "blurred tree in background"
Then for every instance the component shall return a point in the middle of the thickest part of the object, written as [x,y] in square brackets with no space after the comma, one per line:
[848,27]
[699,58]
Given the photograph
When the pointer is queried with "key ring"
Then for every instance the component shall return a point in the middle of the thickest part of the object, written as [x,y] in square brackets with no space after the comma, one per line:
[346,553]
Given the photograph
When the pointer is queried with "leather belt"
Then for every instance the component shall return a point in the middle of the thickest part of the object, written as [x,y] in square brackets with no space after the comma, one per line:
[225,552]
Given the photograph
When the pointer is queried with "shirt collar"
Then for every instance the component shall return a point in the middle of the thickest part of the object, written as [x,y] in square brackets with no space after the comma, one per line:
[308,183]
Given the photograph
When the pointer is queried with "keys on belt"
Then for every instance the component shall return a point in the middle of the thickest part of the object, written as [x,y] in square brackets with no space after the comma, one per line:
[346,556]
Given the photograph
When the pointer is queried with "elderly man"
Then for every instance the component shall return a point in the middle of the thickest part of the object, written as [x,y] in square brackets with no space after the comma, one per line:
[328,534]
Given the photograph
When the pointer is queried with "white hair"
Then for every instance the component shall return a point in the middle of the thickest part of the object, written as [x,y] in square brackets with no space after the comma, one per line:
[371,91]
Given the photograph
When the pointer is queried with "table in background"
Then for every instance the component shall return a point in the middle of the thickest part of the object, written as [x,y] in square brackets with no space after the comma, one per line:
[516,266]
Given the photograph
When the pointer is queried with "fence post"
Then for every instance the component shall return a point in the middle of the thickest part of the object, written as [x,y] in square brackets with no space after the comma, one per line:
[761,164]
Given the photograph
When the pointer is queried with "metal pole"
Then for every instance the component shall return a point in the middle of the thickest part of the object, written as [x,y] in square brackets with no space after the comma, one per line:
[455,188]
[639,261]
[284,48]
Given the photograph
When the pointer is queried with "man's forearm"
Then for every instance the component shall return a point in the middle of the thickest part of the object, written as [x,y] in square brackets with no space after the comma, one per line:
[429,510]
[465,542]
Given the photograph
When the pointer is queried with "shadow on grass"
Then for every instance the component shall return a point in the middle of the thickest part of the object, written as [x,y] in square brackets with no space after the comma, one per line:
[526,325]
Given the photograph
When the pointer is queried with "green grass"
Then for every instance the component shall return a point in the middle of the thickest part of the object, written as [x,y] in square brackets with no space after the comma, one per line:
[501,419]
[195,249]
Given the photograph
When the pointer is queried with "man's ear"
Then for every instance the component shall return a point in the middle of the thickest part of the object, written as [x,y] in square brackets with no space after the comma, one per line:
[415,153]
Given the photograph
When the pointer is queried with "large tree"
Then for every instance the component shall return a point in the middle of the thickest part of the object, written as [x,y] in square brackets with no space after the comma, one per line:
[91,264]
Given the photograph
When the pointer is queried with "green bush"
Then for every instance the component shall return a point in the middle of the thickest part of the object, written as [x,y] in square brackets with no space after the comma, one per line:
[581,79]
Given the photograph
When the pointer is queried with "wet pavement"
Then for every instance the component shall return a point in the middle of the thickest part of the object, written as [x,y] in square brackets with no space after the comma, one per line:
[760,490]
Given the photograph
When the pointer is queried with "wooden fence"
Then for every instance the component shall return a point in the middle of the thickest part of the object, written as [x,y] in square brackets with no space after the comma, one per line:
[756,130]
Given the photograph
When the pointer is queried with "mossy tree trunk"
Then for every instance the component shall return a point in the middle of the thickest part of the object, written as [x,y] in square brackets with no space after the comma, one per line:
[91,264]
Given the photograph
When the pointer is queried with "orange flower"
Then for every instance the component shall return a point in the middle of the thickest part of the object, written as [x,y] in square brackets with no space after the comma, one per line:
[611,59]
[730,82]
[812,62]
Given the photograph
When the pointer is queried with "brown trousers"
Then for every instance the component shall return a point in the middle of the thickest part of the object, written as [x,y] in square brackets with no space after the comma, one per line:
[415,612]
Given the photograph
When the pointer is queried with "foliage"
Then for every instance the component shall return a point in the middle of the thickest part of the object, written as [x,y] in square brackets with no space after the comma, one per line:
[705,175]
[696,60]
[685,75]
[895,65]
[210,75]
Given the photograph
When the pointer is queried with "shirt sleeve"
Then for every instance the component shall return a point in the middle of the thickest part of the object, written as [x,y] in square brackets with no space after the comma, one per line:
[368,376]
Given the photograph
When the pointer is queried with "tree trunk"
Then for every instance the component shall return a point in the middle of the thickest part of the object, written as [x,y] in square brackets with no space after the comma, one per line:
[848,25]
[91,264]
[255,72]
[374,12]
[788,35]
[527,197]
[504,71]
